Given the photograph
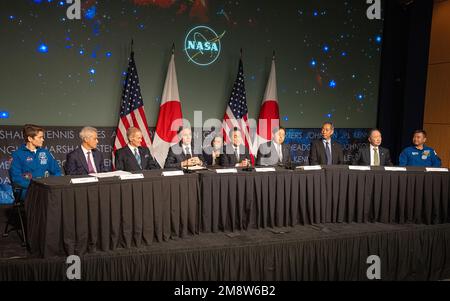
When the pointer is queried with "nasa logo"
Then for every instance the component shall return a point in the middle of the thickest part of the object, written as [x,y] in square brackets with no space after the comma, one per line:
[202,45]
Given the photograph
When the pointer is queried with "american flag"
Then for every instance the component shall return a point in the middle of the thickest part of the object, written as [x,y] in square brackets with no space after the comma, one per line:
[236,115]
[132,112]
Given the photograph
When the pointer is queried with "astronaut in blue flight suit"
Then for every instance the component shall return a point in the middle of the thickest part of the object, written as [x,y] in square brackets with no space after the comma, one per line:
[419,154]
[31,161]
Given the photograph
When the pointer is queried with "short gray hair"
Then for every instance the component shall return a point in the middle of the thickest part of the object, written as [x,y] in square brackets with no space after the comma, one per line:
[132,131]
[86,132]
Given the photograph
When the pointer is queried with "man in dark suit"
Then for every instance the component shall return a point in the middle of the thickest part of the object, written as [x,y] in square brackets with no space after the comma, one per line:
[86,159]
[374,154]
[134,157]
[325,151]
[275,152]
[182,155]
[212,153]
[235,154]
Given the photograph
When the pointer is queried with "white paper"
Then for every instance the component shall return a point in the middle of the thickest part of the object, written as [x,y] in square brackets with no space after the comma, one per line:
[389,168]
[83,180]
[354,167]
[431,169]
[173,173]
[195,168]
[265,169]
[227,170]
[132,177]
[312,167]
[111,174]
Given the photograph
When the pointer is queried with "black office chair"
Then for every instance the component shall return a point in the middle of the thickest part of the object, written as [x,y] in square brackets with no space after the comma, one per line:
[17,212]
[64,167]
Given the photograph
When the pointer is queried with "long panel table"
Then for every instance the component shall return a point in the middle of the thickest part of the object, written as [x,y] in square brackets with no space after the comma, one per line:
[66,219]
[331,195]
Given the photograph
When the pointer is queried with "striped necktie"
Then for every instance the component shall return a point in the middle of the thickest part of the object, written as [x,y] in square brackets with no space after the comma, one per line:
[138,157]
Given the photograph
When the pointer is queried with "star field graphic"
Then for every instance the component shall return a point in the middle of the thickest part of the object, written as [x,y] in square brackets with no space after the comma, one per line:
[58,71]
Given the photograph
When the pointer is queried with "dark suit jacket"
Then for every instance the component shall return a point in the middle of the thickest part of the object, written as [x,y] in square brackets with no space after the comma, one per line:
[363,157]
[125,160]
[268,155]
[76,163]
[207,155]
[176,156]
[317,155]
[228,158]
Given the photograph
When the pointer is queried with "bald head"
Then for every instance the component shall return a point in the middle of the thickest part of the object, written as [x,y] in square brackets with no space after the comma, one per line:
[375,137]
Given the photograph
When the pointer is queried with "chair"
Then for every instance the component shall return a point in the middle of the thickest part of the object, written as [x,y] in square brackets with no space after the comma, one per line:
[64,166]
[17,212]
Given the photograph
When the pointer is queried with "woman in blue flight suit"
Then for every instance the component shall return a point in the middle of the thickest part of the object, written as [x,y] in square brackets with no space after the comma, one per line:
[31,161]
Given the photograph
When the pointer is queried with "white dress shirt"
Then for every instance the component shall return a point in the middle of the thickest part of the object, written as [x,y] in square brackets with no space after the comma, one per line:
[133,149]
[85,152]
[215,154]
[325,146]
[372,155]
[237,155]
[279,149]
[185,150]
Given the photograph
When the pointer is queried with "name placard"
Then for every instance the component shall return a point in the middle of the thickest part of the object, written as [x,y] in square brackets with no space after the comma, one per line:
[354,167]
[390,168]
[312,167]
[433,169]
[226,170]
[265,169]
[83,180]
[131,177]
[173,173]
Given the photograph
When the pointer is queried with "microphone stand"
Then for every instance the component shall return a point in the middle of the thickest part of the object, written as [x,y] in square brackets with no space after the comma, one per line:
[249,166]
[186,170]
[288,166]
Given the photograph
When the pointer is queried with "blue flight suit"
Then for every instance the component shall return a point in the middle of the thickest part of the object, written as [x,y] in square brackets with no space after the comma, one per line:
[27,165]
[412,156]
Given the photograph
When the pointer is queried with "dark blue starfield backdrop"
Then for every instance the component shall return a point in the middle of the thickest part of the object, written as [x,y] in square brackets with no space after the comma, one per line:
[62,72]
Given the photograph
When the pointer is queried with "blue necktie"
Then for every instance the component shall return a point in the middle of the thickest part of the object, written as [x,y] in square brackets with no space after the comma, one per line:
[138,157]
[328,152]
